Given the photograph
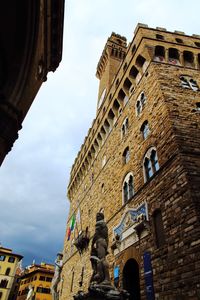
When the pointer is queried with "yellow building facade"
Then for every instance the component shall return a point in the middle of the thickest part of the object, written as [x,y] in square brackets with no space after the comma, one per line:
[39,277]
[8,266]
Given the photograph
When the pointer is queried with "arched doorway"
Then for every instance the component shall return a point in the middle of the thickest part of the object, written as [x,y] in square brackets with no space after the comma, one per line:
[131,279]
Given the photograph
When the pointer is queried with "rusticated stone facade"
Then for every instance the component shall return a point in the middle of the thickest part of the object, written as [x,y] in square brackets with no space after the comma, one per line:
[140,165]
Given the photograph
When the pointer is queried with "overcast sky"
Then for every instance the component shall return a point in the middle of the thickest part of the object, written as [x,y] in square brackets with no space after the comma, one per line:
[35,174]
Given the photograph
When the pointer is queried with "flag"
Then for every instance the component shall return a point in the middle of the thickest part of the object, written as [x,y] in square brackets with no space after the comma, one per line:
[68,233]
[72,223]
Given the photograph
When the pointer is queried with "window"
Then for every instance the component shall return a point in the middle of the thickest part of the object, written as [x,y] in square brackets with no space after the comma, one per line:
[188,58]
[1,294]
[151,164]
[11,259]
[159,37]
[2,257]
[180,41]
[7,271]
[42,278]
[158,228]
[3,283]
[124,129]
[159,53]
[189,83]
[128,188]
[197,44]
[140,103]
[173,56]
[145,129]
[43,290]
[198,106]
[126,155]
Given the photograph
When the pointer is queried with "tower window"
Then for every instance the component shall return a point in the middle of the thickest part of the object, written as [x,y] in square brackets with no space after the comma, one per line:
[197,44]
[126,155]
[140,61]
[150,164]
[133,72]
[2,257]
[158,228]
[128,187]
[173,56]
[189,83]
[180,41]
[127,84]
[188,58]
[159,37]
[159,53]
[145,129]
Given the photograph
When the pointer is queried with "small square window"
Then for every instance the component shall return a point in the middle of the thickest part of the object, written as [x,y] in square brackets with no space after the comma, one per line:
[2,257]
[11,259]
[159,37]
[180,41]
[197,44]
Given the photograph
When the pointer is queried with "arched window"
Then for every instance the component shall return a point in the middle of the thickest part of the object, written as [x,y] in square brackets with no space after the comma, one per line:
[128,187]
[145,129]
[7,271]
[173,56]
[188,58]
[159,53]
[3,283]
[140,103]
[126,155]
[158,228]
[124,129]
[150,163]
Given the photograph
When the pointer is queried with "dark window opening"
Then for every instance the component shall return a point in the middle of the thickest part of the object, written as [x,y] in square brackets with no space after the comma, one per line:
[180,41]
[133,72]
[159,37]
[197,44]
[173,55]
[133,49]
[140,61]
[159,228]
[11,259]
[125,192]
[121,95]
[7,271]
[127,84]
[188,58]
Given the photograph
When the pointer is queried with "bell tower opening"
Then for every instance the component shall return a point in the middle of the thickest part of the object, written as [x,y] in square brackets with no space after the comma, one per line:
[131,279]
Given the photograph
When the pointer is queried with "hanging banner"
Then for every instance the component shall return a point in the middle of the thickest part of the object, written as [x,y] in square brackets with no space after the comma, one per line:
[148,276]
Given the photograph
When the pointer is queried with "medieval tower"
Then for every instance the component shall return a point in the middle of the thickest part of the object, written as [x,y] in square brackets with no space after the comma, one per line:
[140,165]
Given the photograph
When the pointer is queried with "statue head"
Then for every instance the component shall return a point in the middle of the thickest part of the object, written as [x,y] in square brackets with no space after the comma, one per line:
[99,216]
[59,256]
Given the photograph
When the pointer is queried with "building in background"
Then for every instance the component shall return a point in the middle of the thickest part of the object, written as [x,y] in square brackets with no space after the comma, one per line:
[9,263]
[140,165]
[39,277]
[31,34]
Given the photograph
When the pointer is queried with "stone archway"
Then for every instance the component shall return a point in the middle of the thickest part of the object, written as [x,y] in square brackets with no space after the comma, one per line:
[131,279]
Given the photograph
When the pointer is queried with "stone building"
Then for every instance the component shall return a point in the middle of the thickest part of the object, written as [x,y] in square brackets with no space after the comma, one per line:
[31,34]
[140,165]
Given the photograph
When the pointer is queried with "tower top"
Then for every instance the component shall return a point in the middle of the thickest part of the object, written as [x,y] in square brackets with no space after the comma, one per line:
[115,46]
[108,66]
